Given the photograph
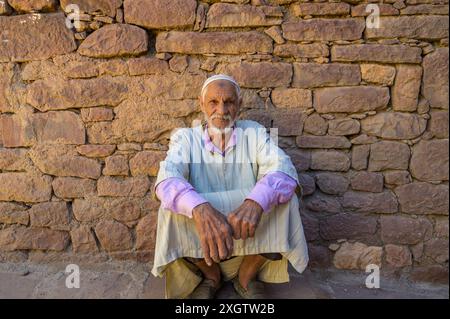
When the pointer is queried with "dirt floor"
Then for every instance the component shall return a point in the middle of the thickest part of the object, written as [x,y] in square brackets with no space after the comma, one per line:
[130,280]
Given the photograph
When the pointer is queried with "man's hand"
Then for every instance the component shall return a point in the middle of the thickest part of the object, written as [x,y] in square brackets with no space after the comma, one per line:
[245,219]
[214,232]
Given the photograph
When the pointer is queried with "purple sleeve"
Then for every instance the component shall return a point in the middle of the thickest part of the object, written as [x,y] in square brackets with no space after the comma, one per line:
[273,189]
[178,196]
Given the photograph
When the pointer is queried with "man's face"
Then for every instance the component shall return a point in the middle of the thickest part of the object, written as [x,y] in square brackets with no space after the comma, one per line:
[220,104]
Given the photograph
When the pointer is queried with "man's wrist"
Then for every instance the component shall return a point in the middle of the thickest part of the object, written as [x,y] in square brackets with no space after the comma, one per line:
[256,204]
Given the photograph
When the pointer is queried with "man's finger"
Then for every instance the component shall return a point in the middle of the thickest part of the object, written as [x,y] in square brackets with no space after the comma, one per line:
[205,249]
[213,253]
[244,229]
[252,230]
[223,250]
[230,245]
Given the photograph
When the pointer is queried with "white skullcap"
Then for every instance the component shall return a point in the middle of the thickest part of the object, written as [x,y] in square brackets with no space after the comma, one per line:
[219,77]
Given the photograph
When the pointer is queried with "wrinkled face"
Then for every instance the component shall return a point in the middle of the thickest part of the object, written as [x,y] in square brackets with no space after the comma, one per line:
[220,104]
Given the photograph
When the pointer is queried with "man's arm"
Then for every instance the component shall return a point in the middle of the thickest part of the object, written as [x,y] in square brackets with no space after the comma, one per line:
[178,196]
[277,186]
[273,189]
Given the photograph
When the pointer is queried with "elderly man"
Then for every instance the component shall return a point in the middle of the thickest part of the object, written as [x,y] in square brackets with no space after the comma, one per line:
[228,204]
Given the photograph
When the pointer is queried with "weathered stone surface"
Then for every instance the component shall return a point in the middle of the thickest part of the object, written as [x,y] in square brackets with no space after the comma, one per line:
[429,160]
[405,92]
[107,7]
[308,184]
[389,155]
[54,215]
[128,209]
[119,187]
[404,230]
[13,159]
[435,78]
[311,141]
[59,127]
[113,236]
[24,187]
[91,150]
[360,156]
[298,50]
[33,6]
[310,75]
[385,9]
[146,163]
[160,14]
[290,98]
[438,124]
[398,256]
[333,184]
[362,202]
[300,158]
[259,75]
[351,226]
[378,74]
[357,256]
[11,213]
[310,226]
[116,165]
[48,95]
[364,139]
[423,198]
[343,126]
[89,209]
[147,123]
[367,182]
[97,114]
[315,124]
[426,9]
[396,126]
[228,15]
[397,177]
[179,63]
[29,37]
[350,99]
[437,249]
[16,238]
[6,75]
[414,27]
[16,130]
[115,40]
[146,232]
[320,9]
[382,53]
[440,227]
[330,161]
[323,204]
[83,240]
[64,161]
[213,42]
[432,273]
[289,122]
[146,65]
[324,29]
[72,187]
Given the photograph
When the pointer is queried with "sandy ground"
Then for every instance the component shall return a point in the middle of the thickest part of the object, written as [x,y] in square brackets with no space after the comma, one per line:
[130,280]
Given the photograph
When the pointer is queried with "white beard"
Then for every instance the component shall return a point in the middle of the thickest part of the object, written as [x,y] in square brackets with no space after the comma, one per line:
[216,130]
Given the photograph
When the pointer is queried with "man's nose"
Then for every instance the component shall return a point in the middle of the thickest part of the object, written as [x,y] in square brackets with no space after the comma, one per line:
[221,108]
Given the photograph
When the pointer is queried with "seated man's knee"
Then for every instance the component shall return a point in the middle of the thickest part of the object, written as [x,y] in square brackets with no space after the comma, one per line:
[272,256]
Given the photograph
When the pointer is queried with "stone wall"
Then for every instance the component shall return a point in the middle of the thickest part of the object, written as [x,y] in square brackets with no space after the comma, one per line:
[86,113]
